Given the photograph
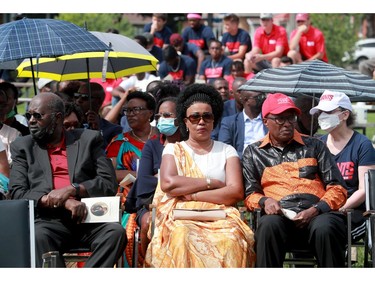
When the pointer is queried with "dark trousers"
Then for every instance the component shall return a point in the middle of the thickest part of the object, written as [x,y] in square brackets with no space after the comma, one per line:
[107,241]
[325,236]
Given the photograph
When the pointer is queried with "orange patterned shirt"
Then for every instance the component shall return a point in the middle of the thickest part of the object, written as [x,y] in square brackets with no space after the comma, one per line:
[303,166]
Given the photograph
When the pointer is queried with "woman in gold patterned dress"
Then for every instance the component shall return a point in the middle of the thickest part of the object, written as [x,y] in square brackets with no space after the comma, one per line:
[200,173]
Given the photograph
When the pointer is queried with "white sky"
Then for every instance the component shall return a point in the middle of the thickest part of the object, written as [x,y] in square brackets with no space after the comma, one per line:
[184,6]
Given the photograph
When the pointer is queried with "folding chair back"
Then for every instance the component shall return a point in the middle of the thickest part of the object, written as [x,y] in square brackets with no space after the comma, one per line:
[17,235]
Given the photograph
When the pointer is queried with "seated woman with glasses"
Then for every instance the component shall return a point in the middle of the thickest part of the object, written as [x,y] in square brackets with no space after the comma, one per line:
[143,189]
[199,173]
[126,148]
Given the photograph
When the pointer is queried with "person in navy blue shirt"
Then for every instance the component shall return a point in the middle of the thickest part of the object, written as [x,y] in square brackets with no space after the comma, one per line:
[159,29]
[187,49]
[198,33]
[352,151]
[236,41]
[217,65]
[180,69]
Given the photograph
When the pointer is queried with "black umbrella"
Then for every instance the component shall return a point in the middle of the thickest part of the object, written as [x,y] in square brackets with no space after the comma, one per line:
[312,78]
[34,38]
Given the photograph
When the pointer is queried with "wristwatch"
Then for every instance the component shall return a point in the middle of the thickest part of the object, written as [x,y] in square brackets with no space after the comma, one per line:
[77,188]
[316,207]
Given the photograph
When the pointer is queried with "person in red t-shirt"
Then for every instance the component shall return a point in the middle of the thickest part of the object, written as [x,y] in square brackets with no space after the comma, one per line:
[270,44]
[306,42]
[238,70]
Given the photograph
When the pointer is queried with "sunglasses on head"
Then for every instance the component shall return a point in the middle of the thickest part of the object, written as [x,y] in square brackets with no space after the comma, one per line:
[195,118]
[164,115]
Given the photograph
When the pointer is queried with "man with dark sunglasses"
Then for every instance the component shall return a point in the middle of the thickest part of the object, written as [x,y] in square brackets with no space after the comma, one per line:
[91,109]
[286,172]
[56,168]
[245,127]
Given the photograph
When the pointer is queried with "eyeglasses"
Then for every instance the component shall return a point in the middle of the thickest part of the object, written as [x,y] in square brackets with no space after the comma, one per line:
[195,118]
[37,116]
[164,114]
[82,96]
[281,120]
[246,98]
[69,125]
[133,110]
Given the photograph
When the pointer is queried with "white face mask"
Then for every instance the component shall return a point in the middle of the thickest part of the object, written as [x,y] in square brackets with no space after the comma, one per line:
[328,122]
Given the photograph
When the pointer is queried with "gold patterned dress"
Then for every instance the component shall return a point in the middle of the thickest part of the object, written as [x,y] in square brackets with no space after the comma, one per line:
[189,243]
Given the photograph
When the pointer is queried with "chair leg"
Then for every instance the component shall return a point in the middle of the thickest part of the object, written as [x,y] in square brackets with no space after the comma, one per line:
[372,227]
[349,235]
[49,259]
[136,247]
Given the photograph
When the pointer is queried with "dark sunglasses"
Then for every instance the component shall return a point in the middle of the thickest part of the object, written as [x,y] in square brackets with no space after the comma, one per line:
[68,125]
[195,118]
[164,114]
[246,98]
[36,115]
[82,96]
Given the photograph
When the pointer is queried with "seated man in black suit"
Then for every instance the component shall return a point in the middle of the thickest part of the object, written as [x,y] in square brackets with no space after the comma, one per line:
[56,168]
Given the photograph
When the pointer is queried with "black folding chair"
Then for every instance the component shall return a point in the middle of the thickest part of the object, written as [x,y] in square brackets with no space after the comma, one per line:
[17,235]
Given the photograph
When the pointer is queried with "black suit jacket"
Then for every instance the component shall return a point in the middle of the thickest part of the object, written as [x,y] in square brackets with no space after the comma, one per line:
[31,174]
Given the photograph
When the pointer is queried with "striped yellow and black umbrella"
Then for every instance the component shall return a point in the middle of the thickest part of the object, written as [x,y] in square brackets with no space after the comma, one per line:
[312,78]
[127,57]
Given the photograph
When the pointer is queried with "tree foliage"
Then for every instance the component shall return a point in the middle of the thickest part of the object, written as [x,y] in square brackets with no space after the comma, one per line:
[100,22]
[340,32]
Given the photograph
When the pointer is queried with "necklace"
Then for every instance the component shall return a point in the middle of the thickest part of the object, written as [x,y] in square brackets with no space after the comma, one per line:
[214,64]
[178,65]
[141,140]
[201,150]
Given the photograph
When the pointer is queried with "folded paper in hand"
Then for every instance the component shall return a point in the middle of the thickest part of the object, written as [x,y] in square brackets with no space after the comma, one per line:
[102,209]
[289,213]
[128,179]
[198,214]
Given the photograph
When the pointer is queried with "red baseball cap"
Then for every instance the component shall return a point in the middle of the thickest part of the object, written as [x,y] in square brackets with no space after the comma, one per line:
[176,39]
[302,17]
[278,103]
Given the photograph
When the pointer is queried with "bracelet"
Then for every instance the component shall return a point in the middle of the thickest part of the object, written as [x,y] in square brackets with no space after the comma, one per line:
[208,180]
[194,197]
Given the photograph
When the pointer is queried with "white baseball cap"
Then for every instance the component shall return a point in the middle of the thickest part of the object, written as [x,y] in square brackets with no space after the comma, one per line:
[43,82]
[266,16]
[331,100]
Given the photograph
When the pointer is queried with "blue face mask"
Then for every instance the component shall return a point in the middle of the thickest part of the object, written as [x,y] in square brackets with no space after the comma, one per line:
[166,126]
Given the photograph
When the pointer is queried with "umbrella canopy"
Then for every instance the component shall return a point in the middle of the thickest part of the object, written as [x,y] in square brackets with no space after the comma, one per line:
[127,57]
[31,38]
[311,78]
[34,38]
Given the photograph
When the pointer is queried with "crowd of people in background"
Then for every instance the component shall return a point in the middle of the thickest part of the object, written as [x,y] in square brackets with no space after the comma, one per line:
[193,139]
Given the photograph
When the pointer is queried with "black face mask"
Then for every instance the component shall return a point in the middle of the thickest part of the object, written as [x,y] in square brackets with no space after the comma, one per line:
[44,135]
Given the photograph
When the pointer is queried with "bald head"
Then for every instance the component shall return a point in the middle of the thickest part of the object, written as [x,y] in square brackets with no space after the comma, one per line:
[50,101]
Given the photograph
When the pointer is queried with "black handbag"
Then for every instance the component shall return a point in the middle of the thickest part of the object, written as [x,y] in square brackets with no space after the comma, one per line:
[298,201]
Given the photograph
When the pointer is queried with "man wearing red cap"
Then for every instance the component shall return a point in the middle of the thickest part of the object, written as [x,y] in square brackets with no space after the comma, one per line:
[308,39]
[198,33]
[285,173]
